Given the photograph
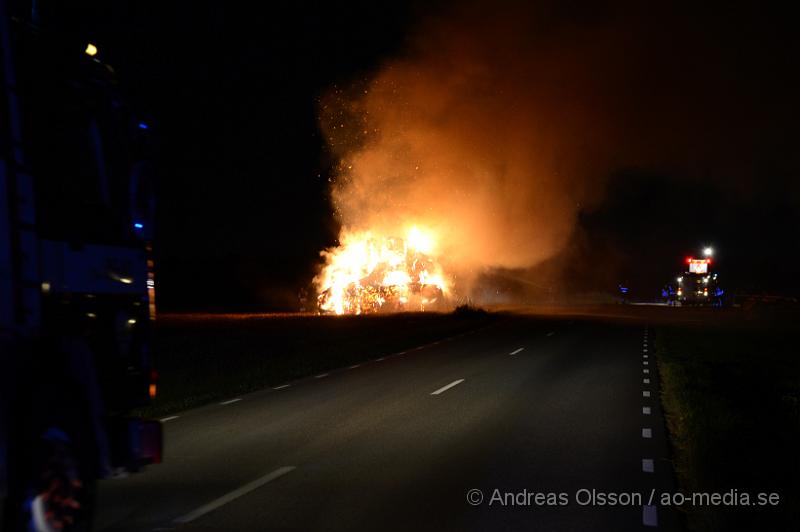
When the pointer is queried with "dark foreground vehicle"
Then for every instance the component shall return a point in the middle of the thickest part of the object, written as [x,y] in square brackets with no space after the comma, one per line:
[76,284]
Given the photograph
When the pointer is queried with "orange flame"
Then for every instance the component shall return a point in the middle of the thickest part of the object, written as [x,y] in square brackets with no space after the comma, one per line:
[370,273]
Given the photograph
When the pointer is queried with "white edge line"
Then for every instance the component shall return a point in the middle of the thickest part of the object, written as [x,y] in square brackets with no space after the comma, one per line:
[231,401]
[233,495]
[445,388]
[168,418]
[521,349]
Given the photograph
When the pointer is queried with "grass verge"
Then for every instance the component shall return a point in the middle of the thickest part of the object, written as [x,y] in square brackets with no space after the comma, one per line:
[731,400]
[204,358]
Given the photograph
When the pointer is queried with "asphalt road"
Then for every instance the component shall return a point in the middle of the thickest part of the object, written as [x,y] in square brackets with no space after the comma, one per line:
[397,443]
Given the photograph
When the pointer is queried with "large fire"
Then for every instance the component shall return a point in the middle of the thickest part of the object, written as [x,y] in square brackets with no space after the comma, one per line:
[369,272]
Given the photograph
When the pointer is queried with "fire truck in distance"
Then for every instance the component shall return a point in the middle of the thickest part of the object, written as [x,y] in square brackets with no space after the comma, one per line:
[76,276]
[698,285]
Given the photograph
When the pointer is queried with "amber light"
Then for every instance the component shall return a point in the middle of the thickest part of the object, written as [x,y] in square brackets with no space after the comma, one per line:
[152,390]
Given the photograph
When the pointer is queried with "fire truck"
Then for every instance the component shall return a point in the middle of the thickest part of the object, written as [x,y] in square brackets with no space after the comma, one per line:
[76,276]
[698,285]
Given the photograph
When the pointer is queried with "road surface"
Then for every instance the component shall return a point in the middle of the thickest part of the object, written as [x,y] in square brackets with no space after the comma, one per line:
[562,408]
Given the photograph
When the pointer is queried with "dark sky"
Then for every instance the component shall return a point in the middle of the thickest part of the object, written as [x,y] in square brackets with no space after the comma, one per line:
[231,90]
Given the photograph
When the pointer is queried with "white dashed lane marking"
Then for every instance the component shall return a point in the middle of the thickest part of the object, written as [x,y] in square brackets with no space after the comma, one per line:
[514,352]
[233,495]
[231,401]
[169,418]
[445,388]
[649,512]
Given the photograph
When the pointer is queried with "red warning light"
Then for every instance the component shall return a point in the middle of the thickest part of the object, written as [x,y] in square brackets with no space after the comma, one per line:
[708,261]
[688,260]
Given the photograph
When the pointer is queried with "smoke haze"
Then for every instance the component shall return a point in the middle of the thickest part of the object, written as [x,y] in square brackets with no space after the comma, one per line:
[499,126]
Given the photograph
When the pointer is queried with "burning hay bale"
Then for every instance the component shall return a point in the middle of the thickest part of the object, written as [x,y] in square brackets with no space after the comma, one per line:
[368,273]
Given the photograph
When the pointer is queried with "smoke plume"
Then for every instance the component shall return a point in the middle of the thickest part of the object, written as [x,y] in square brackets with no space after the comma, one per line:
[500,124]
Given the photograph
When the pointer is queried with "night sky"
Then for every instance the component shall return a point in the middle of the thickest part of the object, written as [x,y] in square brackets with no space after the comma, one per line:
[232,90]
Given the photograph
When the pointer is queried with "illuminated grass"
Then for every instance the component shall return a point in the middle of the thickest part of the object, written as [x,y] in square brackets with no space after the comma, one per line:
[731,401]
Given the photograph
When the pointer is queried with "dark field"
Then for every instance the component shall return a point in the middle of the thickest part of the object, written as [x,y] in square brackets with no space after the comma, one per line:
[206,357]
[731,394]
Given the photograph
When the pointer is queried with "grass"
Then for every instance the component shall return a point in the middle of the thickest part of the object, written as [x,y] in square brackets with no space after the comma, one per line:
[731,401]
[205,358]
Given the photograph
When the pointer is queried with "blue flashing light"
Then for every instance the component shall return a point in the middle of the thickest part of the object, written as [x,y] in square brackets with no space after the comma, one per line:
[138,225]
[142,125]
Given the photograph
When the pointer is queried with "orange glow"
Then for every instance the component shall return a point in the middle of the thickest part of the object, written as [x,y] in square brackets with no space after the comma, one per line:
[152,390]
[368,273]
